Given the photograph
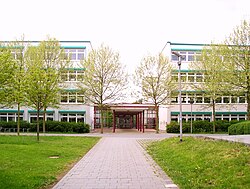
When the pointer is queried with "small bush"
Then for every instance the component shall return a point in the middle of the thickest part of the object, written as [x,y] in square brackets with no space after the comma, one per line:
[201,126]
[50,126]
[239,128]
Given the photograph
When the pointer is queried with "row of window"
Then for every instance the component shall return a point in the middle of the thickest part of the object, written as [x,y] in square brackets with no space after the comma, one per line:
[65,117]
[201,98]
[187,56]
[72,54]
[189,77]
[72,98]
[187,117]
[72,75]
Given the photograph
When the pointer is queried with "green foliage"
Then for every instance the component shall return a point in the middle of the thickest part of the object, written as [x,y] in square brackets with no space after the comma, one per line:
[200,126]
[239,128]
[105,79]
[64,127]
[203,163]
[26,163]
[52,126]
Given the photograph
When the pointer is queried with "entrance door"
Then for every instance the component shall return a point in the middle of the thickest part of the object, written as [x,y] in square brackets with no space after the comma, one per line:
[124,122]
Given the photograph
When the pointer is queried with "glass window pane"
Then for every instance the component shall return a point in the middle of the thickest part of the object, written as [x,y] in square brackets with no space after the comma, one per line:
[190,57]
[174,58]
[72,119]
[80,56]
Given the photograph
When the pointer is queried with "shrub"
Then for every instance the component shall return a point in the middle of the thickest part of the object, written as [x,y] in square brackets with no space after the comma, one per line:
[12,124]
[240,128]
[51,126]
[200,126]
[173,127]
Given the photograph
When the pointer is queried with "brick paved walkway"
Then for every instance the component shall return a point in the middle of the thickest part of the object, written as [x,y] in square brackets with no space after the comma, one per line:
[116,163]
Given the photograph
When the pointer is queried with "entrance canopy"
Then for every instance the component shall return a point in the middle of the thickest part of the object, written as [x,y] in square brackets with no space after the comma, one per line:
[129,115]
[130,110]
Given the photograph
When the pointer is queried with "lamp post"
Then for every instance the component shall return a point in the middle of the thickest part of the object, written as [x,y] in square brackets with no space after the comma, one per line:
[191,104]
[180,100]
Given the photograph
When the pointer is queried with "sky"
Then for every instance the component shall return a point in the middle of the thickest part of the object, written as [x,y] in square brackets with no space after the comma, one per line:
[134,28]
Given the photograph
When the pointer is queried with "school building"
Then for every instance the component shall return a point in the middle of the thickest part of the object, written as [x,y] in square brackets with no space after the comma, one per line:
[130,115]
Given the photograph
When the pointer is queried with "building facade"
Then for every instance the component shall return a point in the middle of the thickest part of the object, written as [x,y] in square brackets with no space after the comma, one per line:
[72,107]
[195,104]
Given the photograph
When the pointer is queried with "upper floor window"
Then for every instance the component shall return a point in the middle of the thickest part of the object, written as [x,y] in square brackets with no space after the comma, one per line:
[187,56]
[72,75]
[75,54]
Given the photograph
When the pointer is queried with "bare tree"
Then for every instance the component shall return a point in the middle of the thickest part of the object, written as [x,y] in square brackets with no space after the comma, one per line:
[153,76]
[214,84]
[105,78]
[238,60]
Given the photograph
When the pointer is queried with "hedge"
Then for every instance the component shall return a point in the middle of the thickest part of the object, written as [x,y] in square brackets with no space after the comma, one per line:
[200,126]
[51,126]
[239,128]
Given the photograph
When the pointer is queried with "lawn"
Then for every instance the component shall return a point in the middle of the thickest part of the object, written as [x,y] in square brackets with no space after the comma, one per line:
[203,163]
[26,163]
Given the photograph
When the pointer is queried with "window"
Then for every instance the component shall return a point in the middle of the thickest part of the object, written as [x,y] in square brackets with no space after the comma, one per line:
[174,100]
[242,99]
[175,77]
[198,98]
[183,55]
[6,116]
[72,117]
[80,98]
[183,77]
[33,117]
[199,77]
[207,100]
[233,99]
[72,75]
[190,56]
[75,54]
[191,77]
[64,97]
[174,57]
[80,75]
[72,97]
[218,100]
[225,99]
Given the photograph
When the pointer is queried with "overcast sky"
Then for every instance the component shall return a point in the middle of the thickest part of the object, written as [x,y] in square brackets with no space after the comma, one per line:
[134,28]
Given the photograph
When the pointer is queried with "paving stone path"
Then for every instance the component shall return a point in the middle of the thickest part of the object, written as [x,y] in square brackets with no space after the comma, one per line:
[116,163]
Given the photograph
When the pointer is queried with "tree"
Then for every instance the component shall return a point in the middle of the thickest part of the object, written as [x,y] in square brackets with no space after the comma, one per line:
[7,65]
[35,85]
[211,64]
[105,78]
[153,76]
[54,62]
[238,60]
[18,84]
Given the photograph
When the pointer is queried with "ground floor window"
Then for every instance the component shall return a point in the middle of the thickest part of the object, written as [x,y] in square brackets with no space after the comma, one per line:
[196,116]
[72,117]
[48,116]
[10,116]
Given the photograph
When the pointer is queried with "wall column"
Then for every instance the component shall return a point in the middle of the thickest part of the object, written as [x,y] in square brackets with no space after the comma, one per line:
[143,121]
[114,121]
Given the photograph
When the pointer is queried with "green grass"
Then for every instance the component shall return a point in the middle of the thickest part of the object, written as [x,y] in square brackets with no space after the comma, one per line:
[26,163]
[203,163]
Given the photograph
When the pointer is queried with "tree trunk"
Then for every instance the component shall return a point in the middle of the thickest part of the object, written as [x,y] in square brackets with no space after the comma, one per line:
[18,119]
[101,120]
[37,122]
[44,119]
[248,104]
[157,118]
[213,115]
